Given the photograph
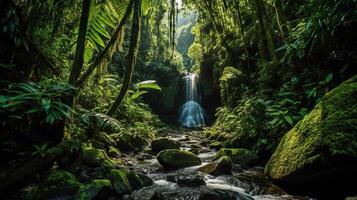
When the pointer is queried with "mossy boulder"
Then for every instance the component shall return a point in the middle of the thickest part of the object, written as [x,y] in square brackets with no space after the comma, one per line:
[59,184]
[125,181]
[216,144]
[97,189]
[174,159]
[128,141]
[231,76]
[120,181]
[138,180]
[219,167]
[323,145]
[243,157]
[97,157]
[164,143]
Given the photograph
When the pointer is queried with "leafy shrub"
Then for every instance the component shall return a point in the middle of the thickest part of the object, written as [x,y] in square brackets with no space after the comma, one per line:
[242,126]
[41,99]
[291,103]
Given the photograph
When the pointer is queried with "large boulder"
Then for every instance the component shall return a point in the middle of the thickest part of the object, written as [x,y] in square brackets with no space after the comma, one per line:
[163,144]
[96,189]
[320,152]
[243,157]
[59,184]
[120,181]
[125,181]
[128,141]
[97,157]
[219,167]
[174,159]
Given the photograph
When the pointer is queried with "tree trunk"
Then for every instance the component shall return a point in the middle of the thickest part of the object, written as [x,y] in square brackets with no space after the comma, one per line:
[78,60]
[112,40]
[130,59]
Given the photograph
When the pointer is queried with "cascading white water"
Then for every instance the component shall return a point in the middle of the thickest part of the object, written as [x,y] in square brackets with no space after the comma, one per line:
[191,113]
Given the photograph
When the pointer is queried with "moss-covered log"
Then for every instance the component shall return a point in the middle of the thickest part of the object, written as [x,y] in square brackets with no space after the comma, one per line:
[15,179]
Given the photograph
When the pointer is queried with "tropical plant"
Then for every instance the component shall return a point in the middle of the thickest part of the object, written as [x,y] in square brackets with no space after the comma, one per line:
[142,88]
[44,98]
[286,108]
[100,122]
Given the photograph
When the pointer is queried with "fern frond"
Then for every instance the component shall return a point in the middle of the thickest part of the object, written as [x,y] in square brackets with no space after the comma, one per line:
[101,122]
[149,84]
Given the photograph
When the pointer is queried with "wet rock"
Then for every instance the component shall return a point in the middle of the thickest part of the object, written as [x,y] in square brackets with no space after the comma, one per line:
[138,180]
[186,180]
[204,143]
[196,146]
[256,182]
[157,196]
[221,166]
[320,153]
[120,181]
[163,144]
[97,189]
[127,141]
[243,157]
[97,157]
[218,194]
[194,151]
[174,159]
[191,181]
[237,168]
[125,181]
[59,185]
[216,144]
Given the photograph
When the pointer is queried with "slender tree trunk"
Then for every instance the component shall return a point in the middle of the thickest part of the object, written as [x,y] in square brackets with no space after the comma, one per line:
[259,31]
[78,60]
[111,42]
[240,22]
[130,59]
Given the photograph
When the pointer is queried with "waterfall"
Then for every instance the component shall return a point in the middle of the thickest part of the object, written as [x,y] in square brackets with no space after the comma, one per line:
[191,113]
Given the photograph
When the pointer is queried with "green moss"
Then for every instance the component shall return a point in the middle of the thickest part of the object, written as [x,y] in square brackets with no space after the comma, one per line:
[58,184]
[328,131]
[173,158]
[221,166]
[164,143]
[243,157]
[216,144]
[60,178]
[92,189]
[120,181]
[96,157]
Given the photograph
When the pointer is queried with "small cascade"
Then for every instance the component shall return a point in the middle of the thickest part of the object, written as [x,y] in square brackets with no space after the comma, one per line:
[191,112]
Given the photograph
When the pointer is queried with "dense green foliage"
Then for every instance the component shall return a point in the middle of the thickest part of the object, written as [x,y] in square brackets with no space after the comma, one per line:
[101,76]
[271,72]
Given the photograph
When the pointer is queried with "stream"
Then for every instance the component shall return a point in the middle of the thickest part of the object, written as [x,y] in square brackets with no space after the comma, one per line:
[188,183]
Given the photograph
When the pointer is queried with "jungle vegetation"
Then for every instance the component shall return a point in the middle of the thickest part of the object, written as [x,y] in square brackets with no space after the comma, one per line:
[74,73]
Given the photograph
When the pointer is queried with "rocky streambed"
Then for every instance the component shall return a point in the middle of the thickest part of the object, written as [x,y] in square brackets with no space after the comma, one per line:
[195,172]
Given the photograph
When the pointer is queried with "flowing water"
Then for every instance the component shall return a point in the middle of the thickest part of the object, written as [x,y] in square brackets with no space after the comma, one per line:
[188,183]
[191,112]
